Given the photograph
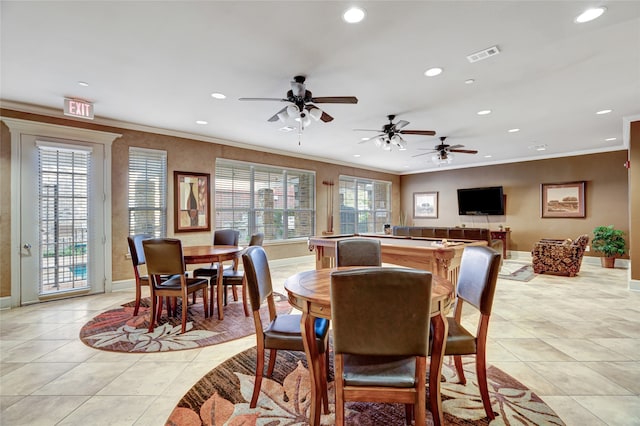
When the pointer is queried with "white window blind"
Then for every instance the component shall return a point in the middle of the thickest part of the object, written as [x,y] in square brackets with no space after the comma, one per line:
[365,205]
[64,217]
[257,198]
[147,191]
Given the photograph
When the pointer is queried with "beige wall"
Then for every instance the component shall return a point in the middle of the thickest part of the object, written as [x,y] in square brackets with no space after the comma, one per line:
[193,156]
[606,196]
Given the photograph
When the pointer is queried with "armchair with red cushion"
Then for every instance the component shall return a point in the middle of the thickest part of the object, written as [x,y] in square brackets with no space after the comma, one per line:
[562,257]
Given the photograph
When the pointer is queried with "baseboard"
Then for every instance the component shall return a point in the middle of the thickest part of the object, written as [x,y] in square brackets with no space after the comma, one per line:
[123,285]
[634,285]
[5,303]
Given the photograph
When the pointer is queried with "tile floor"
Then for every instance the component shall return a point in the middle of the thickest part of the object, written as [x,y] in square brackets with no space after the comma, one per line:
[573,341]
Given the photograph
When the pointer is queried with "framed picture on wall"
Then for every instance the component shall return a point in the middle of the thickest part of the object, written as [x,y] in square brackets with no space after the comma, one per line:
[425,205]
[562,199]
[191,202]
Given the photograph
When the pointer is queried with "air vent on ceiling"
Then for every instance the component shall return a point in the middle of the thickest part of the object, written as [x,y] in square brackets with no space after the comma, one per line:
[483,54]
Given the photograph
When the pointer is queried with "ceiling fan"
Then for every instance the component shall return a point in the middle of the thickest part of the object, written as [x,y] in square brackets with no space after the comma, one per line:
[444,151]
[301,104]
[390,134]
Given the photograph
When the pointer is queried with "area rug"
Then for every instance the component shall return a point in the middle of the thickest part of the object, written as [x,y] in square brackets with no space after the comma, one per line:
[524,273]
[223,395]
[118,330]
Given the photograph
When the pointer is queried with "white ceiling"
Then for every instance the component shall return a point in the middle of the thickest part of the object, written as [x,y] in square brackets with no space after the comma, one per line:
[156,64]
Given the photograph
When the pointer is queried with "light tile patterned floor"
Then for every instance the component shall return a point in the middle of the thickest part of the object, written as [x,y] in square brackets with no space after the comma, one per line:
[573,341]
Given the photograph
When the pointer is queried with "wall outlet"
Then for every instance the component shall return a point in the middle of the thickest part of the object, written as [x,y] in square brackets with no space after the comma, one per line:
[587,248]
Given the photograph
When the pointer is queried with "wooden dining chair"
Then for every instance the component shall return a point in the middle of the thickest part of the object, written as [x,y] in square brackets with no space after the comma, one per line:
[138,259]
[283,331]
[477,279]
[381,358]
[358,252]
[164,257]
[222,237]
[233,277]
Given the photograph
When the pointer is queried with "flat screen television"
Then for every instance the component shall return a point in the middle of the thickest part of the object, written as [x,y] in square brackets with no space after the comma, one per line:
[481,201]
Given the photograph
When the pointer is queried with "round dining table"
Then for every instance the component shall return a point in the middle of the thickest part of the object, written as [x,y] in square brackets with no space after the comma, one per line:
[309,291]
[212,254]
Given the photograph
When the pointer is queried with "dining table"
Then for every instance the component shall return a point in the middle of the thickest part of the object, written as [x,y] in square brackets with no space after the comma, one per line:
[212,254]
[309,291]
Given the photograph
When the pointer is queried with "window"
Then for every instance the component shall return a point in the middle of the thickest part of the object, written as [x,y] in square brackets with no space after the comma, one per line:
[256,198]
[147,192]
[365,205]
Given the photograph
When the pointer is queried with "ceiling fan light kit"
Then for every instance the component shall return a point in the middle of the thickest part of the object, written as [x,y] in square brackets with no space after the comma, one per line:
[390,134]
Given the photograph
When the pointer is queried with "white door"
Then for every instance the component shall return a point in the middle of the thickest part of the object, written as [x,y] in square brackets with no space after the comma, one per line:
[62,234]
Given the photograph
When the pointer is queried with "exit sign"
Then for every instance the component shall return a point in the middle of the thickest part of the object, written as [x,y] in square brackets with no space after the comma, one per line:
[78,108]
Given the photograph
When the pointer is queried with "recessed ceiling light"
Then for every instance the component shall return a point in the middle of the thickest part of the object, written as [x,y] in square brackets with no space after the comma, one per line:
[218,96]
[484,112]
[356,155]
[286,129]
[83,83]
[590,14]
[432,72]
[488,156]
[353,15]
[469,81]
[365,139]
[541,147]
[201,122]
[513,130]
[604,111]
[610,139]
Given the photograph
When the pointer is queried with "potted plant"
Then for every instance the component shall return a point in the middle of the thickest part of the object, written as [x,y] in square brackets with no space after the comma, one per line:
[610,242]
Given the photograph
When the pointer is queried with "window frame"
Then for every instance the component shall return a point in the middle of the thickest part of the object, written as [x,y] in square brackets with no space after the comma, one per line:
[378,215]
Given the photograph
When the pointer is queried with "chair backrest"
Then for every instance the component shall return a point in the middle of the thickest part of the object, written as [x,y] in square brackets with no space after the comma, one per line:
[136,250]
[358,252]
[258,275]
[478,275]
[226,237]
[381,311]
[582,241]
[164,256]
[256,239]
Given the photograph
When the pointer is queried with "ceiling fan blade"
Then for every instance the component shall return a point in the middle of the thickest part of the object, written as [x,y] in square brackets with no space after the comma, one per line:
[424,153]
[326,117]
[335,100]
[401,124]
[464,151]
[368,130]
[372,138]
[275,116]
[263,99]
[454,146]
[418,132]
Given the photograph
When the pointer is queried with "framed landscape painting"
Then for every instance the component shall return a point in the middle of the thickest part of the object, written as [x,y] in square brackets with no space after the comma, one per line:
[425,205]
[191,202]
[562,199]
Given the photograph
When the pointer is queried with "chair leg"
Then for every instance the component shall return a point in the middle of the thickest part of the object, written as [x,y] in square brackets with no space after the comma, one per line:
[408,413]
[272,361]
[258,380]
[339,386]
[481,373]
[185,302]
[234,291]
[325,393]
[159,308]
[457,359]
[138,297]
[152,313]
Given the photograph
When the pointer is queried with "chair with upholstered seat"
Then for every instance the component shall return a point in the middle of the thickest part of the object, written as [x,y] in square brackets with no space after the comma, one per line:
[221,237]
[283,331]
[381,358]
[477,279]
[358,252]
[562,257]
[234,277]
[164,258]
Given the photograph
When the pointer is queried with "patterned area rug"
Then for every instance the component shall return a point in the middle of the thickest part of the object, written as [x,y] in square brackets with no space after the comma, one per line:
[223,395]
[524,273]
[119,331]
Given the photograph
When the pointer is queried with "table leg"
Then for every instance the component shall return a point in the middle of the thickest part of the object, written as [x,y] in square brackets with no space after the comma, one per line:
[440,329]
[307,327]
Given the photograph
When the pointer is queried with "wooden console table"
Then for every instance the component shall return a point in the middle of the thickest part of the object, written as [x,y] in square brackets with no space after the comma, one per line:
[504,236]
